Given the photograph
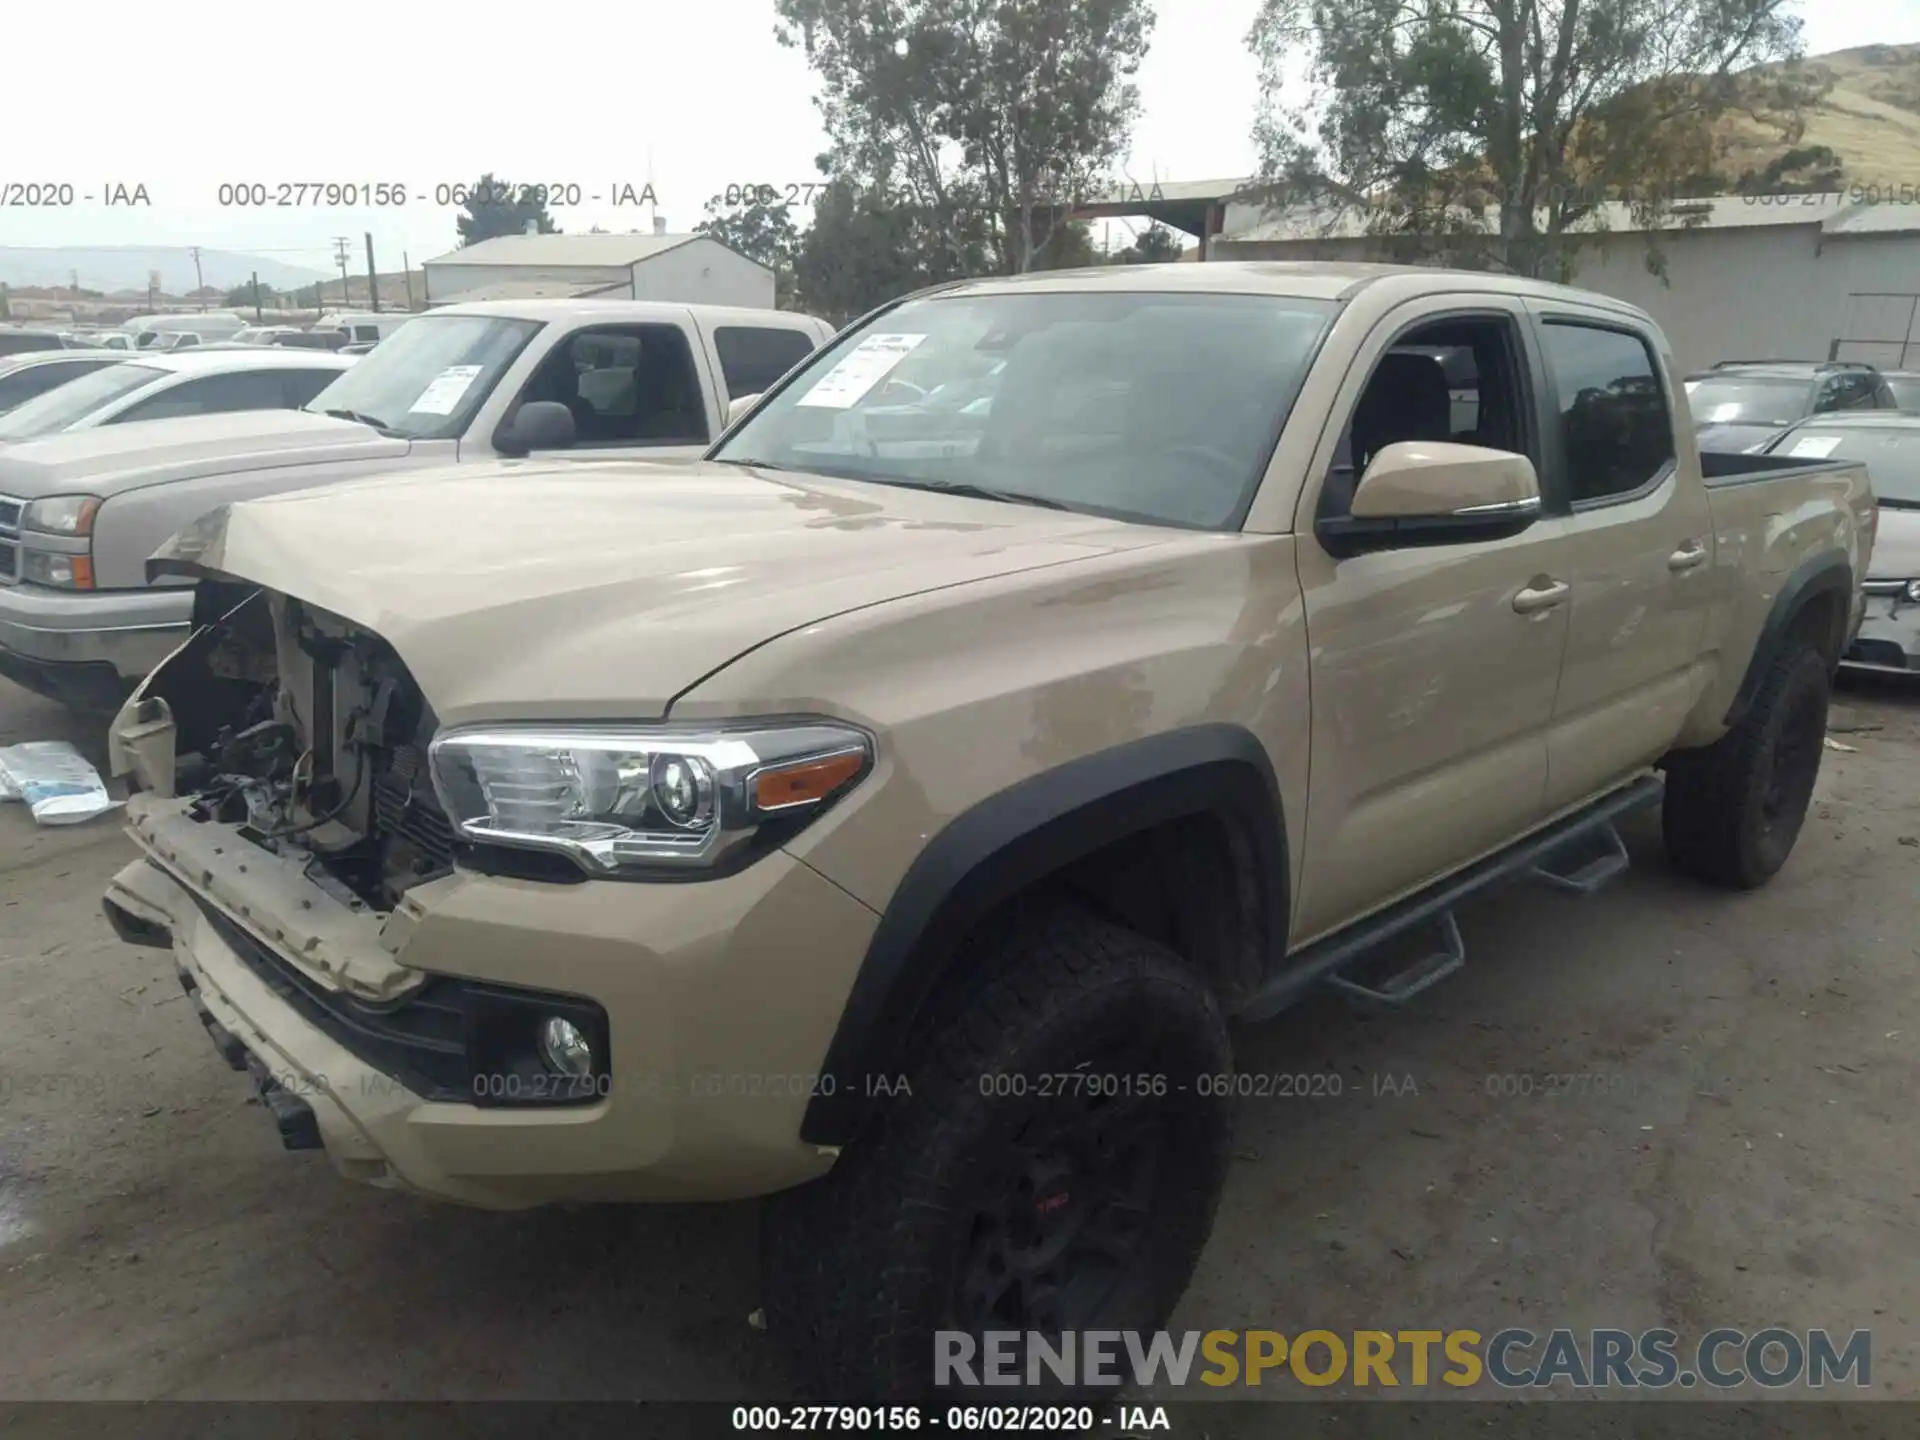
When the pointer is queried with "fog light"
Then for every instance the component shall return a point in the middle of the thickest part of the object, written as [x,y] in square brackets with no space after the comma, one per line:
[1913,591]
[565,1049]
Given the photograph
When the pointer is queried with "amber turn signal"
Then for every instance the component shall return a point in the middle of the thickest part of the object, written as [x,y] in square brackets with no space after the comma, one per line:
[805,783]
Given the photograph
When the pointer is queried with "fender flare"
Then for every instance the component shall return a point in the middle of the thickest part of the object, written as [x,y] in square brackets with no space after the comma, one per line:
[1026,832]
[1822,575]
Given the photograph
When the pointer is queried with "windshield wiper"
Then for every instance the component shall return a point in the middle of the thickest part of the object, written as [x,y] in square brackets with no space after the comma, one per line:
[354,415]
[981,492]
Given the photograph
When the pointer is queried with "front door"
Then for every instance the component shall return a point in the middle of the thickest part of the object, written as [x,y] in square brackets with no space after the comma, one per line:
[1433,668]
[1639,554]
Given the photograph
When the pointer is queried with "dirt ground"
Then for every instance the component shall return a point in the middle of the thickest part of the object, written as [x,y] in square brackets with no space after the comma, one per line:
[1742,1156]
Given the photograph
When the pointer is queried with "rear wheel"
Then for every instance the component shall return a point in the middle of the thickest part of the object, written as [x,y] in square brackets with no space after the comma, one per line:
[1055,1168]
[1734,809]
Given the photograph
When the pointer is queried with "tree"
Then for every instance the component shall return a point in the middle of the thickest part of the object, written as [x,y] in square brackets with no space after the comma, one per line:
[861,252]
[1154,245]
[760,230]
[243,295]
[495,207]
[1489,132]
[987,118]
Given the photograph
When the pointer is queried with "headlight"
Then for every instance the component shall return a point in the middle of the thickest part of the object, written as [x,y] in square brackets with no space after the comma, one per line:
[61,514]
[62,572]
[617,799]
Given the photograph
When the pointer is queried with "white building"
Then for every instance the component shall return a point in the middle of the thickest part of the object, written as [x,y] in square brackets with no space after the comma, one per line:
[691,269]
[1800,277]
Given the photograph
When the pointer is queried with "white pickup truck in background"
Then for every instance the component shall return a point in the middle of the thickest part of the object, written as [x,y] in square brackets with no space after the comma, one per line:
[498,378]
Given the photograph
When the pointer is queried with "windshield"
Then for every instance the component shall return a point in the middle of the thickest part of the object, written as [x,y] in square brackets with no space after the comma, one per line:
[1147,406]
[1892,457]
[74,401]
[428,379]
[1748,400]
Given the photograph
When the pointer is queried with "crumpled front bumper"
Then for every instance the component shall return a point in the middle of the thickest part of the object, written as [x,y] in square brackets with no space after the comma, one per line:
[1888,638]
[719,999]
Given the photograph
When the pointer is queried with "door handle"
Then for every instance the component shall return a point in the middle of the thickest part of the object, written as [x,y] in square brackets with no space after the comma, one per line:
[1532,600]
[1687,557]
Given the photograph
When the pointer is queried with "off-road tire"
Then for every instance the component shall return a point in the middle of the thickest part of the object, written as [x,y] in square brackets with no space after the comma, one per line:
[862,1266]
[1734,808]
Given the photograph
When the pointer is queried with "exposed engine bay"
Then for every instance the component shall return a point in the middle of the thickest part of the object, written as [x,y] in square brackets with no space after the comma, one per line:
[308,735]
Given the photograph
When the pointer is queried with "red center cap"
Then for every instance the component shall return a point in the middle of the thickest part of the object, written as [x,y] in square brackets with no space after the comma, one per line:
[1051,1203]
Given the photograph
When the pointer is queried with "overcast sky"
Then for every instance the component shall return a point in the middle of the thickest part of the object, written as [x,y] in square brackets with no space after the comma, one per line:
[597,93]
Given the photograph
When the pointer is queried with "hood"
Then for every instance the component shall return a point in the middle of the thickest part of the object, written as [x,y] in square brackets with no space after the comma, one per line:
[592,591]
[1735,439]
[1896,545]
[112,458]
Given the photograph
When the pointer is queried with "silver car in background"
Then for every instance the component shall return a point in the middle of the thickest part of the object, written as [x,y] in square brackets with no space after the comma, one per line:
[1888,444]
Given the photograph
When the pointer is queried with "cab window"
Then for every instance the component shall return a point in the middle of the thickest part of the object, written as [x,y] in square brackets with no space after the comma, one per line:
[1615,431]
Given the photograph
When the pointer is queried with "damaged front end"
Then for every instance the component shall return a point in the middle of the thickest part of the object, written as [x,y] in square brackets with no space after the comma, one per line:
[303,733]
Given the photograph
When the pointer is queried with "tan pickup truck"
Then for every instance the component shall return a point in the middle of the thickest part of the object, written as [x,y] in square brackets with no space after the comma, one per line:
[887,814]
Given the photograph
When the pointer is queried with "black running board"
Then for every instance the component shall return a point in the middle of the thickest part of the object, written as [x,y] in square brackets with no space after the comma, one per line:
[1578,854]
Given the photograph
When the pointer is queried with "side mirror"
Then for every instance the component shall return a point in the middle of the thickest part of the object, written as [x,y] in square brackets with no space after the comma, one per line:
[536,425]
[737,408]
[1435,492]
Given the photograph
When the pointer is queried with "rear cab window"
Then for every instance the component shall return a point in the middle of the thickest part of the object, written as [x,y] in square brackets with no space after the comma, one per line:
[1616,434]
[753,357]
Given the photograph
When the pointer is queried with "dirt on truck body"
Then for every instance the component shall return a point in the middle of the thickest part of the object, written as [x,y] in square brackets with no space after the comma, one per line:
[781,822]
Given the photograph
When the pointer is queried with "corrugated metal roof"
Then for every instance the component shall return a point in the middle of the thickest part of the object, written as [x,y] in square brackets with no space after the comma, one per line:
[584,250]
[1853,212]
[526,290]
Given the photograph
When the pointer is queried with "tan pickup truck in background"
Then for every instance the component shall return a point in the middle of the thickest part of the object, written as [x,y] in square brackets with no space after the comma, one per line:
[888,813]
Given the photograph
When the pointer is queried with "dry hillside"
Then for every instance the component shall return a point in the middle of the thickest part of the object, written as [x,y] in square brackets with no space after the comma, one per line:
[1870,118]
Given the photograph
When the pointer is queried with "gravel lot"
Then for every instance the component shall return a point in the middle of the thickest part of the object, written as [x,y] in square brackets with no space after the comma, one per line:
[1743,1155]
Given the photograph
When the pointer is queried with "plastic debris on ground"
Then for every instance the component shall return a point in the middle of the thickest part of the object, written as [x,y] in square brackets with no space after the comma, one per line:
[55,782]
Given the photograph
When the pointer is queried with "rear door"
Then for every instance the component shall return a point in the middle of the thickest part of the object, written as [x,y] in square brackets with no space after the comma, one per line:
[1638,552]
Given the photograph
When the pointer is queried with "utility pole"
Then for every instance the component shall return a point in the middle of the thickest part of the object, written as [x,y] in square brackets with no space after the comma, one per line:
[373,278]
[199,284]
[256,296]
[340,244]
[406,274]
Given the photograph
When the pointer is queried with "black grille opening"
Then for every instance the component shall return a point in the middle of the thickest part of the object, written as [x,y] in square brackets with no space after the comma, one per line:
[452,1040]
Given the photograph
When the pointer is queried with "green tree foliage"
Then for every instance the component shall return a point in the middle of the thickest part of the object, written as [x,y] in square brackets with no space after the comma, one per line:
[495,207]
[760,230]
[1154,245]
[984,118]
[242,295]
[1489,132]
[862,250]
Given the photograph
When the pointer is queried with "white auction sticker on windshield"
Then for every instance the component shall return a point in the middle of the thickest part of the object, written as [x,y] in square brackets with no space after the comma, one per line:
[1819,447]
[1721,414]
[863,368]
[443,392]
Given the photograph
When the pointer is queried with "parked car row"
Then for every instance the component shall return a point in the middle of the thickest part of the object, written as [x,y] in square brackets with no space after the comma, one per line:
[79,619]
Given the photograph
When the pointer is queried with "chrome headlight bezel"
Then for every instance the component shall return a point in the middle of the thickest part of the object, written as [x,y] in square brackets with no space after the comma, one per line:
[633,799]
[70,516]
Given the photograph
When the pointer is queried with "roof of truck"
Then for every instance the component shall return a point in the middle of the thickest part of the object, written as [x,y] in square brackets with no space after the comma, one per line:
[611,309]
[1304,279]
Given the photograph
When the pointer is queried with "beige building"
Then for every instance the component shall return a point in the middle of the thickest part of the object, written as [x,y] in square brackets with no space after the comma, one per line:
[1804,277]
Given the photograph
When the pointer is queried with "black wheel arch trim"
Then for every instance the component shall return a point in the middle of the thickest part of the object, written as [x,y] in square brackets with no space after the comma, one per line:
[1024,833]
[1822,575]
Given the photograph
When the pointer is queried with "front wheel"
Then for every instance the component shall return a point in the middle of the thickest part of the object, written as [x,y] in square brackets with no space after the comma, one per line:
[1055,1168]
[1734,809]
